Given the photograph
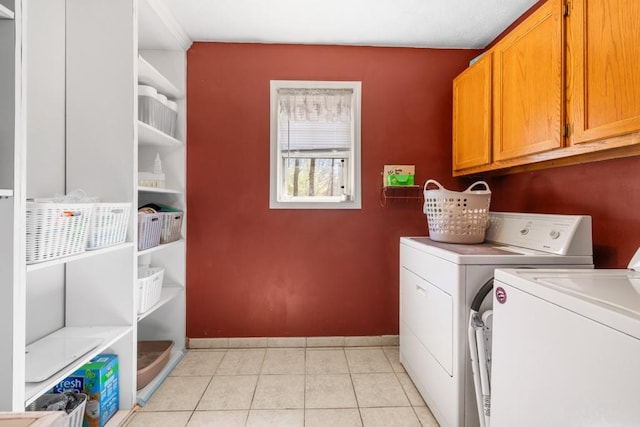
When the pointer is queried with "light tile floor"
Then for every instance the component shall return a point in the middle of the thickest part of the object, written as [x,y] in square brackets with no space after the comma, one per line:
[290,387]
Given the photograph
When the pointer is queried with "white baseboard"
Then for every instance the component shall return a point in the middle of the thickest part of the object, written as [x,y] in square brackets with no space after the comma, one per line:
[293,342]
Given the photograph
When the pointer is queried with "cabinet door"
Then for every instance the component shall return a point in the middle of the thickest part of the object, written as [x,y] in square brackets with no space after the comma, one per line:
[472,115]
[604,58]
[528,85]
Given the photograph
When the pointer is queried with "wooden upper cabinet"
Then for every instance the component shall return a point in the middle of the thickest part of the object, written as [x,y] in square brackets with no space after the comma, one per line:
[604,69]
[528,85]
[472,115]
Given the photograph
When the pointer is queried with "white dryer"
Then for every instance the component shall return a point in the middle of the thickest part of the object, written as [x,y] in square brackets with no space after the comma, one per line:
[438,282]
[566,348]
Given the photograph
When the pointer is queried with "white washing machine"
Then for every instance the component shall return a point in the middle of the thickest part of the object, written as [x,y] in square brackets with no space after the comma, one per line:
[438,282]
[566,348]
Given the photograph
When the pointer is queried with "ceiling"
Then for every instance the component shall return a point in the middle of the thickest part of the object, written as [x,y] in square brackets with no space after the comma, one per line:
[408,23]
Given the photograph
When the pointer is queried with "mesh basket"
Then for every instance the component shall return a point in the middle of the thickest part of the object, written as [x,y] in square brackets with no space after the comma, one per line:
[76,415]
[56,230]
[149,287]
[108,224]
[457,217]
[171,226]
[149,230]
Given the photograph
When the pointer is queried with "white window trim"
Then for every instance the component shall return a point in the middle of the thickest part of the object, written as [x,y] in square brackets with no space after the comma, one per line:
[355,199]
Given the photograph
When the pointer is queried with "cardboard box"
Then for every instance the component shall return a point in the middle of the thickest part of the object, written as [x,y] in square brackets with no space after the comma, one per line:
[395,175]
[98,379]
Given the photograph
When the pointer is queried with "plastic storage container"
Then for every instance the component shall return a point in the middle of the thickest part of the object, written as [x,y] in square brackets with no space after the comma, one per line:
[148,105]
[172,118]
[149,287]
[75,416]
[171,226]
[161,115]
[108,225]
[56,230]
[149,230]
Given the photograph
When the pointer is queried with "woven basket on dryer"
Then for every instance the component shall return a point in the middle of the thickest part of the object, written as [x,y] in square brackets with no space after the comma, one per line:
[457,217]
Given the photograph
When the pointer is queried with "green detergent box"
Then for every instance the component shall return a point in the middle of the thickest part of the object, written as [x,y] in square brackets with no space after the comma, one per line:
[98,379]
[398,175]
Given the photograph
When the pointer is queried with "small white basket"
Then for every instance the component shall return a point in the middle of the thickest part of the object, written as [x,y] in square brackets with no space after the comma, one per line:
[171,226]
[149,287]
[56,230]
[149,230]
[108,224]
[457,217]
[75,417]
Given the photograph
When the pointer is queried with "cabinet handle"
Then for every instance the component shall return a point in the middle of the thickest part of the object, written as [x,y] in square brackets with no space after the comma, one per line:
[421,290]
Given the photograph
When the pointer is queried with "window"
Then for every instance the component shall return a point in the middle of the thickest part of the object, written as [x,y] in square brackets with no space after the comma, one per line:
[315,145]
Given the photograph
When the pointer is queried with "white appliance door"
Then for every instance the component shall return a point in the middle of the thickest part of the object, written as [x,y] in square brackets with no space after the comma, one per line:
[553,367]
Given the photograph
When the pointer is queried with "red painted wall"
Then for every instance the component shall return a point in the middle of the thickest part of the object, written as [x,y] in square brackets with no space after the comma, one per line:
[253,271]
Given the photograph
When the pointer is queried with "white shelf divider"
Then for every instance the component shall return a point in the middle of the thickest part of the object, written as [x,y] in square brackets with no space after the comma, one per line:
[6,192]
[145,393]
[108,334]
[169,292]
[148,135]
[148,75]
[82,255]
[5,13]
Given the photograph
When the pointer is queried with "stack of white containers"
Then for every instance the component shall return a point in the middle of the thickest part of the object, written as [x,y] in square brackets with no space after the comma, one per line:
[156,110]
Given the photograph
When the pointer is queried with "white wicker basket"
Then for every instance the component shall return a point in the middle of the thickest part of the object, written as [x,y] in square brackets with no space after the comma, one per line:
[149,287]
[56,230]
[149,230]
[75,417]
[171,226]
[457,217]
[108,224]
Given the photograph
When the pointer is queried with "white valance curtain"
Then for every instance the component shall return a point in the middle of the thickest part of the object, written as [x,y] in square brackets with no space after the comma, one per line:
[314,118]
[310,104]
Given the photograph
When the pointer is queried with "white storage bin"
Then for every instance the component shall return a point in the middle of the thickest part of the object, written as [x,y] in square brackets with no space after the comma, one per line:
[149,287]
[108,225]
[75,417]
[171,226]
[148,105]
[172,118]
[56,230]
[149,230]
[161,113]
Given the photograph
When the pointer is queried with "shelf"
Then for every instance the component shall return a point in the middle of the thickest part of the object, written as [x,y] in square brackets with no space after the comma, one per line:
[145,393]
[406,193]
[148,75]
[158,190]
[148,135]
[6,193]
[108,335]
[82,255]
[169,292]
[160,247]
[5,13]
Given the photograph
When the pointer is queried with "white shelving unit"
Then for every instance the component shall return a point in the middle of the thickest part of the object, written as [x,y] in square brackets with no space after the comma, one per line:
[162,64]
[71,69]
